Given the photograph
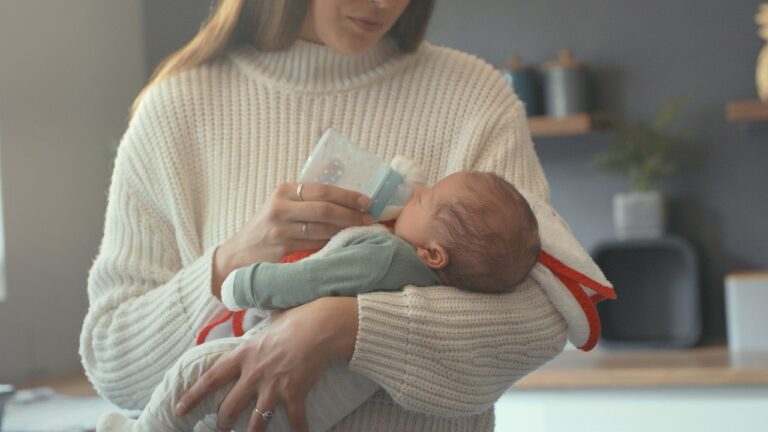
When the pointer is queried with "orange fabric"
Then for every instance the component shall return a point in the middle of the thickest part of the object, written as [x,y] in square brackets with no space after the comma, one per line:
[559,268]
[297,256]
[573,280]
[208,327]
[237,323]
[593,319]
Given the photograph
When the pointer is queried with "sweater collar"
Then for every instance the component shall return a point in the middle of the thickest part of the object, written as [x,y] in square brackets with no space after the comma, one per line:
[307,66]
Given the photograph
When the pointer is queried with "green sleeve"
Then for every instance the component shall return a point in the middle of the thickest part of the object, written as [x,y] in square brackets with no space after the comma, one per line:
[370,263]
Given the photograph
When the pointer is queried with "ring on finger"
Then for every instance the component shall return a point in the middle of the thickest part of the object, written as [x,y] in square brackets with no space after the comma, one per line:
[304,231]
[299,189]
[266,415]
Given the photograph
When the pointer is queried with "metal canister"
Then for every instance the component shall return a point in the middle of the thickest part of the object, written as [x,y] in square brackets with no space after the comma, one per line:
[566,86]
[526,83]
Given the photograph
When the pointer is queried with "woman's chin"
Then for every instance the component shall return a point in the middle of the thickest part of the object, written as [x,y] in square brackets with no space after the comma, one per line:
[353,43]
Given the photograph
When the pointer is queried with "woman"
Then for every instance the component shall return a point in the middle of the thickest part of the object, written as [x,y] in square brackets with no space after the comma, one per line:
[203,185]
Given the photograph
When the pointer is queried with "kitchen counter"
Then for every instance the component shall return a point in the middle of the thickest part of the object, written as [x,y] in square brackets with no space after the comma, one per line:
[701,389]
[72,384]
[698,367]
[682,388]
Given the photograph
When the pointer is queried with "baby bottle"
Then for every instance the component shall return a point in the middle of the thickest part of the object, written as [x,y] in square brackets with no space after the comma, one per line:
[337,161]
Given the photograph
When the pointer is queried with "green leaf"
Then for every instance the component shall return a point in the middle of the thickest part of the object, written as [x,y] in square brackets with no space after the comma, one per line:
[669,113]
[644,153]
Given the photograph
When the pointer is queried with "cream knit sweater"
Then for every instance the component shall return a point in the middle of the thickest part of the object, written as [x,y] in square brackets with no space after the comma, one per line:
[208,146]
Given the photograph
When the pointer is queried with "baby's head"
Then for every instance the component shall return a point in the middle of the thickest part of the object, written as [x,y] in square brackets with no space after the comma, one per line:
[474,229]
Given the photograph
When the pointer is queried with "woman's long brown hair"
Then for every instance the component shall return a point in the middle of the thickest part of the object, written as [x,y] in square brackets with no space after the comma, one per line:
[269,25]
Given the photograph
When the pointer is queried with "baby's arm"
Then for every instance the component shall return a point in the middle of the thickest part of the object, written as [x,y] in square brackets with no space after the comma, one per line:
[378,262]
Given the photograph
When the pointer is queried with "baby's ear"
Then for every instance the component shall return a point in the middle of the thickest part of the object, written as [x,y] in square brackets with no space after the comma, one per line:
[435,256]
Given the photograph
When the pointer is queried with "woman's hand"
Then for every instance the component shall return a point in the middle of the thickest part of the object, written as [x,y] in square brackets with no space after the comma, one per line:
[278,228]
[280,364]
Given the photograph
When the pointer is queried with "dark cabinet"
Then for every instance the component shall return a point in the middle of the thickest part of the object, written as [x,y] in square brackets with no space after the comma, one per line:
[657,284]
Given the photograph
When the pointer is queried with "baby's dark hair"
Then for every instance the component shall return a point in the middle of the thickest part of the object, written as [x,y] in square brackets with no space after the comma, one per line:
[491,235]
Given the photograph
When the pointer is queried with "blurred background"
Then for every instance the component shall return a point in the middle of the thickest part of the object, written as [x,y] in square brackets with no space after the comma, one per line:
[69,70]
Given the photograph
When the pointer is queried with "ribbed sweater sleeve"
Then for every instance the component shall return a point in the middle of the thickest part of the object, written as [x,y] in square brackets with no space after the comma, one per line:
[145,303]
[446,352]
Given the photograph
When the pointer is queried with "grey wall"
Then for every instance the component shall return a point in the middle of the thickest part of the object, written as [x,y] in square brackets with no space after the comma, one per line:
[68,73]
[168,25]
[642,53]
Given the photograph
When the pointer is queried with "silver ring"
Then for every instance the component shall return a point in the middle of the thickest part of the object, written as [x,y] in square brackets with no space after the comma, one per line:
[304,231]
[266,415]
[298,191]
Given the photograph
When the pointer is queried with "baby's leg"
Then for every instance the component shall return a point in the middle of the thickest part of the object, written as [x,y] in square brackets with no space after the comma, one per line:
[158,415]
[335,395]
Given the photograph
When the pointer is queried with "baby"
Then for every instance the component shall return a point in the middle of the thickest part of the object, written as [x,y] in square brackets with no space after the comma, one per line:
[471,230]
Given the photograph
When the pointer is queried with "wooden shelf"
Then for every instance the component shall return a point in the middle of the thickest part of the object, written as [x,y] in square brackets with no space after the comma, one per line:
[747,111]
[698,367]
[576,124]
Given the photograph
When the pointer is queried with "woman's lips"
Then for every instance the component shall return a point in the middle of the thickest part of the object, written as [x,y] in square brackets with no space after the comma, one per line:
[366,25]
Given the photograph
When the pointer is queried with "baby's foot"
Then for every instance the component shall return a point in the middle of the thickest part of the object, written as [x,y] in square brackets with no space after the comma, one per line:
[115,422]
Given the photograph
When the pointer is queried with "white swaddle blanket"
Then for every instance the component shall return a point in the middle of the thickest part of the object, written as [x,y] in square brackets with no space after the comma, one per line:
[569,276]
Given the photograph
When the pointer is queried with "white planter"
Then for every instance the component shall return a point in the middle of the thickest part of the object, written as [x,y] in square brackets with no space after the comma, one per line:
[639,214]
[746,296]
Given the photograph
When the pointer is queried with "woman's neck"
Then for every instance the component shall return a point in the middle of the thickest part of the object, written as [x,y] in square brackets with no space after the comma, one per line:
[311,66]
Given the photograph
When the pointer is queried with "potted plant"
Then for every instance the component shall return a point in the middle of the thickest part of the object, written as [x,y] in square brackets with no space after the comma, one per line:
[644,154]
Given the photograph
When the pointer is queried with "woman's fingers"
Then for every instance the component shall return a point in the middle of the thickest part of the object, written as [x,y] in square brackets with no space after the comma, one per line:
[327,213]
[224,370]
[277,229]
[265,406]
[234,403]
[323,192]
[313,230]
[297,416]
[281,363]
